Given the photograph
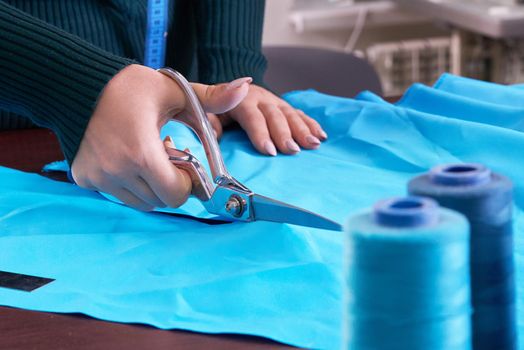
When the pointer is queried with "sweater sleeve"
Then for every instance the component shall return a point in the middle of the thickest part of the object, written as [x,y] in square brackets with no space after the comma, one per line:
[51,76]
[229,40]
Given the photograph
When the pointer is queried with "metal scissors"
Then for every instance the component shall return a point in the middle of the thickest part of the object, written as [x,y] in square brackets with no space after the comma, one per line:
[225,196]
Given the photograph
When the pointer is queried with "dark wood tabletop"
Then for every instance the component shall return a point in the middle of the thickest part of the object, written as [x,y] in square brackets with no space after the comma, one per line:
[29,150]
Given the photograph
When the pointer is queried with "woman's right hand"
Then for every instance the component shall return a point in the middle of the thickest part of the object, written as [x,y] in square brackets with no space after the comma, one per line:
[121,152]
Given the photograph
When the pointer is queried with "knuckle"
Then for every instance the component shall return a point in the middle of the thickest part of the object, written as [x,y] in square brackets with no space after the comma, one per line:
[109,171]
[288,110]
[97,181]
[84,182]
[138,161]
[275,114]
[106,167]
[299,128]
[81,177]
[291,115]
[302,128]
[310,120]
[251,118]
[134,160]
[301,134]
[266,106]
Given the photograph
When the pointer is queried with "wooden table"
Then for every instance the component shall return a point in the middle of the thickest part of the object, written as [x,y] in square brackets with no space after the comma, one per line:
[29,150]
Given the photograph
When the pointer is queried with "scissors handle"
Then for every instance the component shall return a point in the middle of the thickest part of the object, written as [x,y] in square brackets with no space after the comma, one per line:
[197,120]
[229,198]
[202,187]
[225,201]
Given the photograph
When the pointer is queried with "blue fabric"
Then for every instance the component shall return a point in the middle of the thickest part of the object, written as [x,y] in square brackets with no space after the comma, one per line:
[275,280]
[59,165]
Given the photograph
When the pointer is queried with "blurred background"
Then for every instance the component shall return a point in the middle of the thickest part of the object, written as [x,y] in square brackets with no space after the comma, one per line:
[407,41]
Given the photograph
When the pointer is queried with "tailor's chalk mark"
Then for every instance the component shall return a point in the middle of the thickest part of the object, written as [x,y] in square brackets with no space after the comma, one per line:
[18,281]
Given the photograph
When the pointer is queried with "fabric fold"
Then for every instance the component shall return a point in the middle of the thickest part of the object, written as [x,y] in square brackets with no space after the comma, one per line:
[274,280]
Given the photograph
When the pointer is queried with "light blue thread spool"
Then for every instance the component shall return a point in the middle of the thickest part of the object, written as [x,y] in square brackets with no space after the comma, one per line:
[407,277]
[486,200]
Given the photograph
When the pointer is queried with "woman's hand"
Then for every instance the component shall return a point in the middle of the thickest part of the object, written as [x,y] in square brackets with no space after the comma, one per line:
[121,152]
[268,121]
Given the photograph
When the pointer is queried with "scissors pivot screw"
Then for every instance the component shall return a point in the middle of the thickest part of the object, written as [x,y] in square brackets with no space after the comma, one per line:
[235,205]
[223,195]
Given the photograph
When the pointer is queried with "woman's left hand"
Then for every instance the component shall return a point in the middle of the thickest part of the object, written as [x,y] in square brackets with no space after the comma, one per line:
[270,121]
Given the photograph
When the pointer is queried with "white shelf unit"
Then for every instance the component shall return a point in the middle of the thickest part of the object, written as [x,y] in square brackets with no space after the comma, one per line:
[344,15]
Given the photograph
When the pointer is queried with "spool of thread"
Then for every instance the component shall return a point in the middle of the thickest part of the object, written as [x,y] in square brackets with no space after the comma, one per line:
[485,199]
[407,277]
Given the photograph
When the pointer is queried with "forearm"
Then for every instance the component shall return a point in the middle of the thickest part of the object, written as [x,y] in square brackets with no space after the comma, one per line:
[229,35]
[51,76]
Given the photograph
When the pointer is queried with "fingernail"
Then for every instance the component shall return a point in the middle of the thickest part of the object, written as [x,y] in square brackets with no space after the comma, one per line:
[323,134]
[235,84]
[312,140]
[216,134]
[292,146]
[269,147]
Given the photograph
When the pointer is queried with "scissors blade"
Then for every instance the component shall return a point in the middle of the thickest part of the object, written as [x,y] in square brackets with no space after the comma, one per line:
[268,209]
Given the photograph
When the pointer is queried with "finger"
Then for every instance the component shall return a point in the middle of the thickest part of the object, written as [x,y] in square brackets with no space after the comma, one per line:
[313,125]
[128,198]
[299,129]
[116,186]
[170,184]
[223,97]
[225,119]
[279,129]
[81,181]
[254,124]
[169,143]
[141,190]
[216,124]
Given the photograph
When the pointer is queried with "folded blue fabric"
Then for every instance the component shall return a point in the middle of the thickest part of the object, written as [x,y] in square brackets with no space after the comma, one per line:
[481,90]
[275,280]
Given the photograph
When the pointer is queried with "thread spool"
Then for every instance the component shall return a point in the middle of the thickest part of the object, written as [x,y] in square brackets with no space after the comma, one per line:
[485,199]
[407,277]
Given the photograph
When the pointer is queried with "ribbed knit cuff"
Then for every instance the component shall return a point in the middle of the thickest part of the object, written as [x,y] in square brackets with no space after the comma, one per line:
[51,76]
[230,40]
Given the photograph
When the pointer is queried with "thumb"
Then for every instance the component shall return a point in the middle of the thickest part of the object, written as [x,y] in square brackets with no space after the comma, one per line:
[223,97]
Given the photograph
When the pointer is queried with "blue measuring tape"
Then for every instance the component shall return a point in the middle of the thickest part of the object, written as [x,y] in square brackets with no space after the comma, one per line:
[156,34]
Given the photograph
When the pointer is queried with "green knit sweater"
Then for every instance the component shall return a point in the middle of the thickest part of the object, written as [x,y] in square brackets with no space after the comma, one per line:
[56,56]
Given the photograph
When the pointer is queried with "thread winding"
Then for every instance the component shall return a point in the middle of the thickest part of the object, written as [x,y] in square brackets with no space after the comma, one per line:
[407,277]
[486,199]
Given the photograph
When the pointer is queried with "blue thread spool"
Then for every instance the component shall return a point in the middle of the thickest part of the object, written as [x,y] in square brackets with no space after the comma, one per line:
[485,199]
[407,277]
